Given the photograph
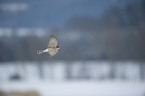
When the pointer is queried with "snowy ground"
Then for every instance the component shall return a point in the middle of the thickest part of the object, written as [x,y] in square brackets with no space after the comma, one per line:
[78,88]
[86,78]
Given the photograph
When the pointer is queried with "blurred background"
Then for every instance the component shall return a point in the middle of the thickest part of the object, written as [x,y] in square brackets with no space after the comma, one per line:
[102,48]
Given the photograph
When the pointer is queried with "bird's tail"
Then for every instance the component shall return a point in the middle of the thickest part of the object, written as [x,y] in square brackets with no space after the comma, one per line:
[40,51]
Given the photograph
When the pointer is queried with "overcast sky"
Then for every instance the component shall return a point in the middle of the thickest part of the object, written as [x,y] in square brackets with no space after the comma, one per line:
[52,13]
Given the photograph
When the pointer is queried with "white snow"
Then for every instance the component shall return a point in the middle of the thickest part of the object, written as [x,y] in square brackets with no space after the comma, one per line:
[54,80]
[78,88]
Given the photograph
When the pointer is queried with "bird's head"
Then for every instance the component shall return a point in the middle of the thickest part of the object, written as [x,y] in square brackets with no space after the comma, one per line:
[57,47]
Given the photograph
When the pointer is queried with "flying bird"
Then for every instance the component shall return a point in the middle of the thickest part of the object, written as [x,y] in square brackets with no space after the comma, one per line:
[52,47]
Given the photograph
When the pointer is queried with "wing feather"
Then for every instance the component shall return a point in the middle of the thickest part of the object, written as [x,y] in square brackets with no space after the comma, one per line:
[52,41]
[53,52]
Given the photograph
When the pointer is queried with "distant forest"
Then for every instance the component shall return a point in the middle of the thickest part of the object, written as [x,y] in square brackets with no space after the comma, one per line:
[118,35]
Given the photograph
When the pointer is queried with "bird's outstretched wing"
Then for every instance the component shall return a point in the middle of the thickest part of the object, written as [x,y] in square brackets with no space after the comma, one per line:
[52,41]
[53,52]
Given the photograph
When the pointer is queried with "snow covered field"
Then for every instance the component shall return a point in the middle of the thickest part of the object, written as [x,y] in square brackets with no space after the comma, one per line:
[78,88]
[74,79]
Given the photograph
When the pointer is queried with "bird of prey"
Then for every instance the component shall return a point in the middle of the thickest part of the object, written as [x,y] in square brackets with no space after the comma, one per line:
[52,47]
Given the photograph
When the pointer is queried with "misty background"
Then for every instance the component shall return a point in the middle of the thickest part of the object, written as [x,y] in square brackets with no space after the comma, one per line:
[86,30]
[101,47]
